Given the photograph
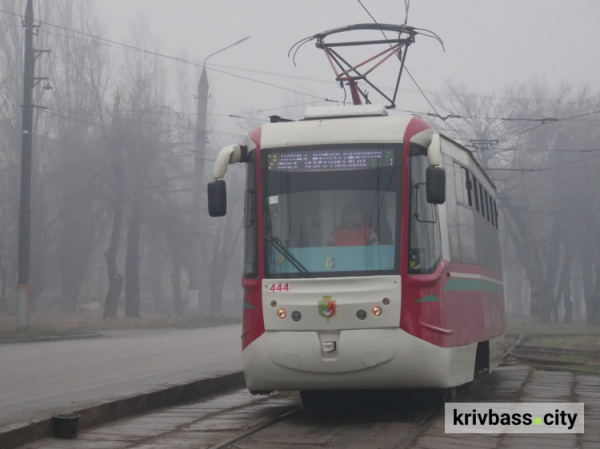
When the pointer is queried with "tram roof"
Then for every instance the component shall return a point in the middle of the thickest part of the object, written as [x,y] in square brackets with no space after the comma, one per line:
[471,157]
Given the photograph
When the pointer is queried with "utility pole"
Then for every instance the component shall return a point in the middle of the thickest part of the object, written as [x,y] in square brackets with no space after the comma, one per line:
[29,82]
[199,156]
[194,305]
[26,157]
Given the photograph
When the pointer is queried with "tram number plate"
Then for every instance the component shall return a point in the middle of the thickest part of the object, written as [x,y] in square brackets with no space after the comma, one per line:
[279,288]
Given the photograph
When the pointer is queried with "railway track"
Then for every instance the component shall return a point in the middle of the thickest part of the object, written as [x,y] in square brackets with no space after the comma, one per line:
[369,418]
[383,419]
[239,420]
[549,357]
[247,433]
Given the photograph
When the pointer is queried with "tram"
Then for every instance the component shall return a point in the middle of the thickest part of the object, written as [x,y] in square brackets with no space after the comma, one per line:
[372,256]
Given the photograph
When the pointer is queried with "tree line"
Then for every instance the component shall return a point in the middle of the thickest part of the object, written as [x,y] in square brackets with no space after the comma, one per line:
[112,174]
[541,146]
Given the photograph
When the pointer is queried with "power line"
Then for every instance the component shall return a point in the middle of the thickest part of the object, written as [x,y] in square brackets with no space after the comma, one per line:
[174,58]
[283,107]
[118,45]
[408,71]
[525,150]
[165,125]
[164,110]
[544,123]
[367,11]
[168,110]
[542,120]
[553,167]
[208,66]
[431,104]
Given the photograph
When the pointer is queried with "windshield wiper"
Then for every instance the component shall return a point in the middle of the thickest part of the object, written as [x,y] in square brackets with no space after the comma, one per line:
[281,249]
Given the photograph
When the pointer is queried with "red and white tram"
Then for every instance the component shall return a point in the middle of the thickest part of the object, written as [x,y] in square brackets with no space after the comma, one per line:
[372,256]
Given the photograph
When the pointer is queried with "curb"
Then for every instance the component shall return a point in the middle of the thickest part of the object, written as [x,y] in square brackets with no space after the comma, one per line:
[52,338]
[125,407]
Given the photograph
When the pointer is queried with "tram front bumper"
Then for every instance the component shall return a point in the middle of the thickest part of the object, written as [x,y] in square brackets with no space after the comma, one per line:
[363,359]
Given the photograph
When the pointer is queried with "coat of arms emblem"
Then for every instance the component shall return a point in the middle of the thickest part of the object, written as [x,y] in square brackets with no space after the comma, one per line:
[327,307]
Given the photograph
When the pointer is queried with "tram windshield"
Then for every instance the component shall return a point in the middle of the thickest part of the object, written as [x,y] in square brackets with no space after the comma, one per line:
[331,211]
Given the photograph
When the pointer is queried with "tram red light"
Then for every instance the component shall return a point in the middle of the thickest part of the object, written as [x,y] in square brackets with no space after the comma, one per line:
[386,301]
[273,303]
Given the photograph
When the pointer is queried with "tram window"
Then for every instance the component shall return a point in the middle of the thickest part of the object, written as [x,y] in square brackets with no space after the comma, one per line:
[459,184]
[487,205]
[481,199]
[249,208]
[496,213]
[334,222]
[475,184]
[492,215]
[425,251]
[468,185]
[250,246]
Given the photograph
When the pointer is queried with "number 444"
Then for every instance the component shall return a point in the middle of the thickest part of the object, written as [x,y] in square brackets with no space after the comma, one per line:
[275,288]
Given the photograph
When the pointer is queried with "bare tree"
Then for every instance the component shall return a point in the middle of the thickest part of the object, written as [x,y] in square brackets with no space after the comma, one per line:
[540,203]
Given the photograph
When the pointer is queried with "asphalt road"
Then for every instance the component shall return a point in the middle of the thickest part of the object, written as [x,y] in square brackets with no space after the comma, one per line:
[40,379]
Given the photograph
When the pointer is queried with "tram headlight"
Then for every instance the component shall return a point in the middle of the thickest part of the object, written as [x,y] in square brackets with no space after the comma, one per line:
[296,316]
[281,313]
[361,315]
[376,311]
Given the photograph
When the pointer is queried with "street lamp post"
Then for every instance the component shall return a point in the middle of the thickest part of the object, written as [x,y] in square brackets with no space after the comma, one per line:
[194,305]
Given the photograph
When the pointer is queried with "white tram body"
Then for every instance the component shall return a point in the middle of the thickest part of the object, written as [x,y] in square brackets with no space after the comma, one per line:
[434,275]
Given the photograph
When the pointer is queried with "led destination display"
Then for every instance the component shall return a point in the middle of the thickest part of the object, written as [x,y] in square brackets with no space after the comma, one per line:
[331,160]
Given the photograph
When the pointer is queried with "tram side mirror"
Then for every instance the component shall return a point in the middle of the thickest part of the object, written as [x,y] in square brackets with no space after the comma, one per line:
[217,198]
[435,180]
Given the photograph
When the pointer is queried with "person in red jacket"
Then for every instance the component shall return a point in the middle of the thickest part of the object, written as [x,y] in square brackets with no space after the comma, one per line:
[353,231]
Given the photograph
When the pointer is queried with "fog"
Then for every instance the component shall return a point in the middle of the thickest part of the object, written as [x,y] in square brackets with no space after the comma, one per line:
[114,150]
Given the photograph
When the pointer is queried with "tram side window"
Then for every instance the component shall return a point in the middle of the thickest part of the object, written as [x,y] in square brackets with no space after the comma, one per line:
[481,200]
[461,184]
[492,214]
[468,185]
[487,205]
[425,251]
[475,184]
[496,214]
[250,241]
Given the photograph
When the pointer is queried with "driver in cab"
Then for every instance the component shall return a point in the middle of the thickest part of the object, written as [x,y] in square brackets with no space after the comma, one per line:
[353,230]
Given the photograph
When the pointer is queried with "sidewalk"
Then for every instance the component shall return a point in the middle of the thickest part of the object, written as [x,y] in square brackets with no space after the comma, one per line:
[40,379]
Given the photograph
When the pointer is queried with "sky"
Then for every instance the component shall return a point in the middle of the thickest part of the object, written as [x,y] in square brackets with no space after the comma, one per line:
[489,44]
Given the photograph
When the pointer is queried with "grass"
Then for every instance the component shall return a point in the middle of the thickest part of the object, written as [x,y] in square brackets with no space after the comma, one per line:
[584,367]
[65,325]
[583,342]
[575,359]
[575,336]
[530,327]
